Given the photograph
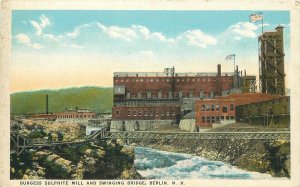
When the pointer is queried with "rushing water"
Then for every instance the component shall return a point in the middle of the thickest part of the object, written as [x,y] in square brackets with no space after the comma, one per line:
[155,164]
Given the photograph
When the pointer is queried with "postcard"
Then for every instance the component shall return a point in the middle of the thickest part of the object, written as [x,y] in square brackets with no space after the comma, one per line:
[149,93]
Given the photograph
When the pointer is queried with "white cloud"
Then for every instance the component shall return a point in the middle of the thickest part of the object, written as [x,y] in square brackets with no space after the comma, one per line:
[265,25]
[237,38]
[52,37]
[23,38]
[197,38]
[99,35]
[44,22]
[74,46]
[123,33]
[36,46]
[37,27]
[129,34]
[244,29]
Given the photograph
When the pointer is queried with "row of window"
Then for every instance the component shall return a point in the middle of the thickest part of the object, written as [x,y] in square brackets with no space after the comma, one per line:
[169,80]
[214,119]
[216,108]
[75,116]
[146,113]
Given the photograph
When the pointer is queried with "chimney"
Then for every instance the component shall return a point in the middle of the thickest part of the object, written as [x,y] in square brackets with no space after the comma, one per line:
[219,69]
[237,77]
[245,73]
[219,81]
[47,109]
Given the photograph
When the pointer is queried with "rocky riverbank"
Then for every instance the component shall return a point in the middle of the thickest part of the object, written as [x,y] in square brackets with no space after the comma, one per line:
[89,160]
[271,157]
[106,160]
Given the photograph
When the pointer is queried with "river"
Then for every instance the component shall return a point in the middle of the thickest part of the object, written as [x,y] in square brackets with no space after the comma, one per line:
[156,164]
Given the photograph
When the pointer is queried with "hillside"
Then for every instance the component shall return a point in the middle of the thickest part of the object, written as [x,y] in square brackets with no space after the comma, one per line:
[97,99]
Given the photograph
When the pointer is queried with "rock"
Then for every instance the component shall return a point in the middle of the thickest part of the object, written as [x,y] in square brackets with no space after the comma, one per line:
[40,155]
[99,152]
[88,152]
[41,173]
[128,150]
[125,174]
[25,177]
[52,157]
[12,170]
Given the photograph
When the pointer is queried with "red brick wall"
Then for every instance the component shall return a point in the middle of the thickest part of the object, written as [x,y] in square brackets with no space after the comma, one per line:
[199,113]
[83,115]
[145,112]
[164,84]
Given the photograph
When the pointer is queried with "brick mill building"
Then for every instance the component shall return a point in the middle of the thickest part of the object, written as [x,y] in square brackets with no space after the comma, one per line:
[75,114]
[222,110]
[142,99]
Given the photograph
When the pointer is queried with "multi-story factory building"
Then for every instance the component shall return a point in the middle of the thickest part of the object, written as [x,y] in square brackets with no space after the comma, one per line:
[222,110]
[149,97]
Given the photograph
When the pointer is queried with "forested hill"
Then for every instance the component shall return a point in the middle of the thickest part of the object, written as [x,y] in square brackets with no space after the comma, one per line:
[97,99]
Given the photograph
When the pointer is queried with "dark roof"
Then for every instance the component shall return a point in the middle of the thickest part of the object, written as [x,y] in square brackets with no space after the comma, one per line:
[190,115]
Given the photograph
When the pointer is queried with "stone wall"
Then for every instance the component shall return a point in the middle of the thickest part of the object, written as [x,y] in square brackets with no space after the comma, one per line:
[223,123]
[188,125]
[141,125]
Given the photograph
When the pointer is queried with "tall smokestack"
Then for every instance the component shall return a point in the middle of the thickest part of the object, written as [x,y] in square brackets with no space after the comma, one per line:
[237,77]
[219,81]
[47,110]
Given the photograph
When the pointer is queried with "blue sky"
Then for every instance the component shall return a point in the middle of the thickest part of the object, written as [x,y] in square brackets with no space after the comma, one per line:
[56,45]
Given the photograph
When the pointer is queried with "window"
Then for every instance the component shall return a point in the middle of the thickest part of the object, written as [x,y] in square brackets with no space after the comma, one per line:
[224,109]
[145,113]
[231,107]
[203,119]
[140,113]
[208,119]
[202,107]
[168,113]
[217,107]
[212,107]
[128,112]
[117,113]
[173,113]
[213,119]
[218,119]
[207,107]
[231,117]
[222,117]
[156,113]
[134,113]
[227,117]
[151,113]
